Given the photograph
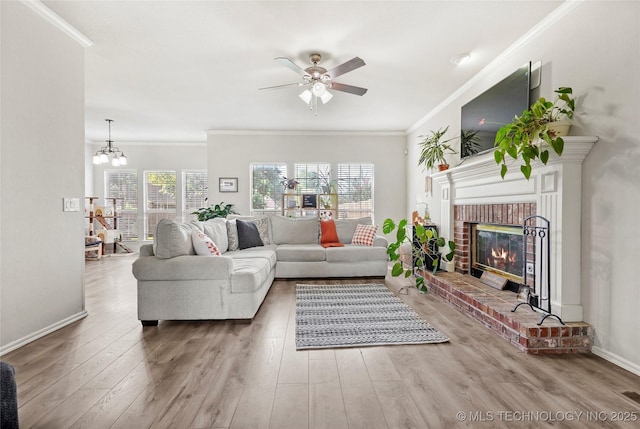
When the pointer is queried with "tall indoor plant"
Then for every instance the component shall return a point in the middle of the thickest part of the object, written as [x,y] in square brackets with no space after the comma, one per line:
[425,249]
[530,135]
[433,149]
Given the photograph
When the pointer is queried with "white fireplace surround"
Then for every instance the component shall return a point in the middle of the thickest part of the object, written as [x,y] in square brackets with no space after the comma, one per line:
[556,189]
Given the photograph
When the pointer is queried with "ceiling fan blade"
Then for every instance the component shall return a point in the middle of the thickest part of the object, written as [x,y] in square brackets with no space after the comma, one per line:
[343,68]
[348,88]
[282,86]
[293,66]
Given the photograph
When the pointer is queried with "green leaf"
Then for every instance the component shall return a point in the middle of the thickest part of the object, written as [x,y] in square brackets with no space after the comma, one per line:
[388,225]
[397,269]
[526,171]
[407,273]
[498,156]
[544,156]
[558,145]
[513,152]
[503,170]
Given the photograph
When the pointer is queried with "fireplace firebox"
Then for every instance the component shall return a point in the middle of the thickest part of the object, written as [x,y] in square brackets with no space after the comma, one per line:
[498,249]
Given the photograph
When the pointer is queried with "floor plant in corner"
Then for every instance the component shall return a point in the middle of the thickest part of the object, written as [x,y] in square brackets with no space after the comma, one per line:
[425,244]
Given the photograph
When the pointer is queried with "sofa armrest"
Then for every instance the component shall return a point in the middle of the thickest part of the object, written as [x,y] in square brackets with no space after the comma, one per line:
[146,250]
[380,241]
[188,267]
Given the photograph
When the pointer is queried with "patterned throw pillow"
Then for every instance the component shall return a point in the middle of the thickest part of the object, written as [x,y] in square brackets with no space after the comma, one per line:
[232,233]
[203,245]
[365,235]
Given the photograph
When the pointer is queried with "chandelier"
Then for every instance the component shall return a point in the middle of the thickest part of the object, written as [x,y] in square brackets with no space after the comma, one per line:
[110,151]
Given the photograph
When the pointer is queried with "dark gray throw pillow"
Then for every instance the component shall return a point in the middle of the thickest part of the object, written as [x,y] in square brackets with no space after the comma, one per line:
[248,235]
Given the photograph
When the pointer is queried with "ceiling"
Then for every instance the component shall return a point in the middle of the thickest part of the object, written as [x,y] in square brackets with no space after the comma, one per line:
[170,70]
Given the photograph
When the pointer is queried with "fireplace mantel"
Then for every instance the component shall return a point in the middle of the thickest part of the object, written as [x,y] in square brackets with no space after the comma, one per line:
[555,188]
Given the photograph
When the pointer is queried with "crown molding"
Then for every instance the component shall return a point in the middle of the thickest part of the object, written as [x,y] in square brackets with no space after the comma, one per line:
[557,14]
[53,18]
[302,133]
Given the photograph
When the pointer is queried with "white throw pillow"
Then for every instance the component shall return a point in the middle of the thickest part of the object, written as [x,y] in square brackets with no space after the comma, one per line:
[203,245]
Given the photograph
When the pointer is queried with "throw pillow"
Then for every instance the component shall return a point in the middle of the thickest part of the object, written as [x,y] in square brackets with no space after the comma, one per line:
[204,245]
[232,234]
[262,222]
[248,235]
[329,234]
[364,235]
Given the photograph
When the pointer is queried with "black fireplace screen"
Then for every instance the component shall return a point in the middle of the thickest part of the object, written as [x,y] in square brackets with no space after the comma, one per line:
[498,248]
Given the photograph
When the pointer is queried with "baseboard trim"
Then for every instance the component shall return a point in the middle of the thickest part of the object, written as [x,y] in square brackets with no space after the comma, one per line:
[616,360]
[42,332]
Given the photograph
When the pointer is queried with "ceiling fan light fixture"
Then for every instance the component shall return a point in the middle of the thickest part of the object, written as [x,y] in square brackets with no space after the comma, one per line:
[319,89]
[306,96]
[326,97]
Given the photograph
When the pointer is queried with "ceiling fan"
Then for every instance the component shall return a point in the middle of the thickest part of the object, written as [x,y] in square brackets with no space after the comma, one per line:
[318,80]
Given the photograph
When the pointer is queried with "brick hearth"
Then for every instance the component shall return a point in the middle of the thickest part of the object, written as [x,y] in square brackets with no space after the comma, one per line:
[492,308]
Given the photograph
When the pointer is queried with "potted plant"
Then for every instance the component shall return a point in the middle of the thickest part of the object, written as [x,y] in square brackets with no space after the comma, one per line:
[289,184]
[530,135]
[425,246]
[218,210]
[433,149]
[469,142]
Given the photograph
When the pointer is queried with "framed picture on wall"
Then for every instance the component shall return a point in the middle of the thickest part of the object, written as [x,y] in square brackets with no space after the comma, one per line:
[228,184]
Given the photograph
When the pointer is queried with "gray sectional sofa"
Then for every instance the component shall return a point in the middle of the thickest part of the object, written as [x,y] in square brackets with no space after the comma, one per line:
[174,283]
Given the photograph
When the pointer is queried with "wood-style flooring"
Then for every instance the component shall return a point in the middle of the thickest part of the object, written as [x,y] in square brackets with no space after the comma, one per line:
[107,371]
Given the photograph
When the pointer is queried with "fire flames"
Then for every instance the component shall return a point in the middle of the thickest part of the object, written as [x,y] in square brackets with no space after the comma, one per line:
[502,259]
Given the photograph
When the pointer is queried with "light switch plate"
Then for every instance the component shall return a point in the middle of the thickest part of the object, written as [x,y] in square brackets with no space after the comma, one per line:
[71,204]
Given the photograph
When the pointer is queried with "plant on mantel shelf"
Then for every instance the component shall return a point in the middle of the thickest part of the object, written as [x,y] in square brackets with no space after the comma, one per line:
[539,128]
[214,211]
[425,244]
[433,149]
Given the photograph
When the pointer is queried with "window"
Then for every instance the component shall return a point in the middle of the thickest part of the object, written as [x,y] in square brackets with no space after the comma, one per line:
[194,192]
[123,184]
[314,177]
[160,199]
[355,190]
[266,189]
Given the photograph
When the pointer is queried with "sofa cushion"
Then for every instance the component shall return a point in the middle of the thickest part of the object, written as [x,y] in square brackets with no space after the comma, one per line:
[328,234]
[295,231]
[364,235]
[347,227]
[355,253]
[203,245]
[232,235]
[173,239]
[267,252]
[248,235]
[216,229]
[300,253]
[249,274]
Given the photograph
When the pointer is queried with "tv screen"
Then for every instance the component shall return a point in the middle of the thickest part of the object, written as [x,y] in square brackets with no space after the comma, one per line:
[486,113]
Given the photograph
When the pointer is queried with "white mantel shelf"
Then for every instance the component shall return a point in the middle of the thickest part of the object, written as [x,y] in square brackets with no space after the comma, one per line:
[555,188]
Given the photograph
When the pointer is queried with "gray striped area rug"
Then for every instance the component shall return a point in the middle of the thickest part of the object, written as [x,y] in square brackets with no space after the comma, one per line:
[357,315]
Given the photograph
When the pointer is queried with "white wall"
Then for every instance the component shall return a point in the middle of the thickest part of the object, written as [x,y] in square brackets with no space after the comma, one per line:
[231,154]
[41,162]
[595,49]
[144,157]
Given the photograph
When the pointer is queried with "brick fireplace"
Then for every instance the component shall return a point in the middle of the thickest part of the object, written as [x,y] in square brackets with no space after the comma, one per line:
[474,193]
[499,214]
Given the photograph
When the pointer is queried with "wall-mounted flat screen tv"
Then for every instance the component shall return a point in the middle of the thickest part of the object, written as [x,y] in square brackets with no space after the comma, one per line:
[486,113]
